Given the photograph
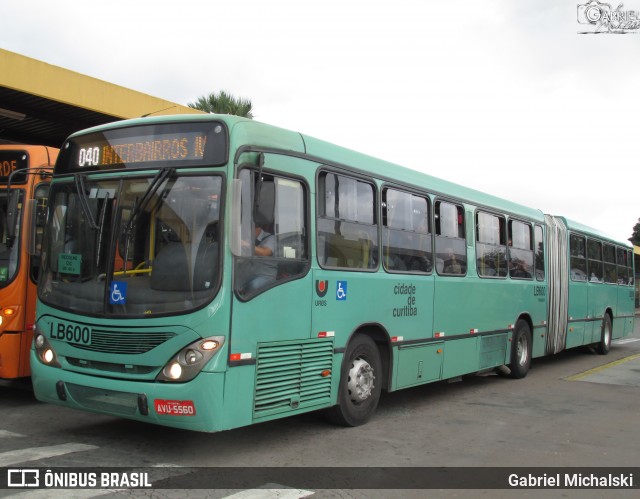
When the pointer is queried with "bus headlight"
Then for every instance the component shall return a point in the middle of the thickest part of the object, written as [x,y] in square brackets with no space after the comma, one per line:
[189,361]
[44,350]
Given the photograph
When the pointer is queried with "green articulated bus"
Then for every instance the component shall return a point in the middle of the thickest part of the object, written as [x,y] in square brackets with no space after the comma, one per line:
[210,272]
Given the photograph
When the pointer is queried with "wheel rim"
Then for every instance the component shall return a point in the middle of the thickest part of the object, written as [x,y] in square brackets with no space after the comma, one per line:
[361,378]
[607,335]
[522,351]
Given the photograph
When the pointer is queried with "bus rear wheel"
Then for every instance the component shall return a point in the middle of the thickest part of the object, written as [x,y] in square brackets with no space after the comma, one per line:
[520,350]
[604,345]
[360,383]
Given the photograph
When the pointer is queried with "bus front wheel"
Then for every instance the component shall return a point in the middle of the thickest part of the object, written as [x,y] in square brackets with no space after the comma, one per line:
[520,350]
[360,383]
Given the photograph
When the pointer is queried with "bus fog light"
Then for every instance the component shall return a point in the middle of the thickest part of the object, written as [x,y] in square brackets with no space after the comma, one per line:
[189,361]
[45,352]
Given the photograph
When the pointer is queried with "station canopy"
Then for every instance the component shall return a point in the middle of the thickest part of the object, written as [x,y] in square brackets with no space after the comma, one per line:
[43,104]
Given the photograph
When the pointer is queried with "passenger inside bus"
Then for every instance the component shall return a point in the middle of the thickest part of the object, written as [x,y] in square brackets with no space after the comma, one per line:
[261,271]
[451,264]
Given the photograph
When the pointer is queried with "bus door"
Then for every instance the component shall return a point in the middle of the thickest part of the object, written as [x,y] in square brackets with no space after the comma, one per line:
[272,285]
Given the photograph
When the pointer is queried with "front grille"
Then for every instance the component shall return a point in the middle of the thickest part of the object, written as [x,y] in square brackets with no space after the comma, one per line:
[125,342]
[110,366]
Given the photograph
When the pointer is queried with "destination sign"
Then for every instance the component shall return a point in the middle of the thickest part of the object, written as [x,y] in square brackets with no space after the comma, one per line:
[169,147]
[175,144]
[10,161]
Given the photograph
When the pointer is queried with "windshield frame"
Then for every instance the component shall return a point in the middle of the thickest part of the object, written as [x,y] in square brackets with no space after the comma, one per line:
[111,249]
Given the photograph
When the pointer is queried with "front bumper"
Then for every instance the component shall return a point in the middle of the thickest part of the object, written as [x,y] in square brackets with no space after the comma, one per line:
[132,399]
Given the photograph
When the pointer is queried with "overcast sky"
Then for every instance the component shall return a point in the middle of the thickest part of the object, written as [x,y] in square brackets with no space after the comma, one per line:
[503,96]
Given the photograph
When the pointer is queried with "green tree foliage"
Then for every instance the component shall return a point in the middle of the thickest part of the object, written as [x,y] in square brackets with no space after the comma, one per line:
[635,236]
[223,103]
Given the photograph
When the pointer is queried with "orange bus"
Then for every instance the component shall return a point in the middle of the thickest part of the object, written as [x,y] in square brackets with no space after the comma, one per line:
[25,171]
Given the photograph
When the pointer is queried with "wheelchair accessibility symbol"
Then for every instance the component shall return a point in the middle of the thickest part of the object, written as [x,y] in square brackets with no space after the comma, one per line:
[118,293]
[341,290]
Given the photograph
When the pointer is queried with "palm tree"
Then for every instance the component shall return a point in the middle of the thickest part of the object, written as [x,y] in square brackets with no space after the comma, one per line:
[223,103]
[635,236]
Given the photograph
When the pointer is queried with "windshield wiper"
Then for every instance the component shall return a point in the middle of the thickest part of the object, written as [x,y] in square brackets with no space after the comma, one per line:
[84,204]
[155,184]
[138,207]
[103,214]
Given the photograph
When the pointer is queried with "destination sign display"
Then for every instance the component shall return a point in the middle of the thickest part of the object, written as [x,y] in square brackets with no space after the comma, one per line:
[175,144]
[166,147]
[10,161]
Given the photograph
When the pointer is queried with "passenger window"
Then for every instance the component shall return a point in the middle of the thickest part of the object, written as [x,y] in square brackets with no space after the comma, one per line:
[491,245]
[610,271]
[623,270]
[539,253]
[406,245]
[346,225]
[451,248]
[520,250]
[578,258]
[273,232]
[594,252]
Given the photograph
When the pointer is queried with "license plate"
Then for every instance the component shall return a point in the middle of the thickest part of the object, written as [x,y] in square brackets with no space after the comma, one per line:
[175,407]
[71,333]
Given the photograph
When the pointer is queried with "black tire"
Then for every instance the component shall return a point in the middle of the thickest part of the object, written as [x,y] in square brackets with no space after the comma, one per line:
[360,383]
[520,350]
[604,345]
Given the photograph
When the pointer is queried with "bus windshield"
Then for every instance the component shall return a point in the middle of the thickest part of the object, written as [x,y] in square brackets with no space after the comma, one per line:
[132,246]
[9,247]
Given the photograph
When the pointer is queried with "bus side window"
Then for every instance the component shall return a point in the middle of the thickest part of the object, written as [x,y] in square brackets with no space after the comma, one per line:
[539,261]
[578,258]
[623,270]
[491,245]
[451,248]
[274,232]
[520,250]
[594,252]
[346,224]
[407,239]
[610,272]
